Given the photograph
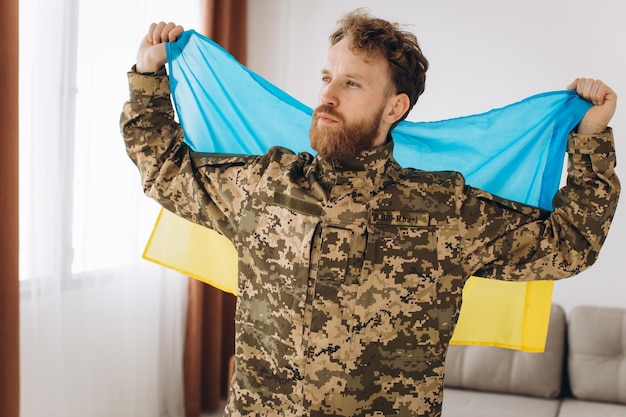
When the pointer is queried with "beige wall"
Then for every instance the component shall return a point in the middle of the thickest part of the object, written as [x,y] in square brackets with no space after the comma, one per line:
[483,54]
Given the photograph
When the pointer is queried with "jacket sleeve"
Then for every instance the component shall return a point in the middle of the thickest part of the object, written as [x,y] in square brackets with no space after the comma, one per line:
[511,241]
[154,142]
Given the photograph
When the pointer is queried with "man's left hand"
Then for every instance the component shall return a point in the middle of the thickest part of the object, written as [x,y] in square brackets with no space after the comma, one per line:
[604,102]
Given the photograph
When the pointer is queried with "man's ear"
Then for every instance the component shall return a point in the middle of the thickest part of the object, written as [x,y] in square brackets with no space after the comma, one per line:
[397,106]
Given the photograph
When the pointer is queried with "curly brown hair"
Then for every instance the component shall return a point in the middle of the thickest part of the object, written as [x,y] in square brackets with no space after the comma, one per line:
[374,36]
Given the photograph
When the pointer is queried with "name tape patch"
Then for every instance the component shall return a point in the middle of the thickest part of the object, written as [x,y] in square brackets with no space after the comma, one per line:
[399,218]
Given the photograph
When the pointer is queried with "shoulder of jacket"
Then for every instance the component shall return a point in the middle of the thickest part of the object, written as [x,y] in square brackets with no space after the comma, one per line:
[279,152]
[523,208]
[210,158]
[442,178]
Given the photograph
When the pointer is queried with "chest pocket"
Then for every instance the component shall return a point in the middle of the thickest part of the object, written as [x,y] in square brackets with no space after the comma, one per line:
[403,262]
[404,250]
[275,257]
[403,246]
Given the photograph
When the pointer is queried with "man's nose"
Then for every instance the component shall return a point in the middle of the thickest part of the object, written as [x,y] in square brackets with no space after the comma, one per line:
[328,95]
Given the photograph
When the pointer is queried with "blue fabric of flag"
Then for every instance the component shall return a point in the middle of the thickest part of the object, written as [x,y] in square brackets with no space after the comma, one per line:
[516,151]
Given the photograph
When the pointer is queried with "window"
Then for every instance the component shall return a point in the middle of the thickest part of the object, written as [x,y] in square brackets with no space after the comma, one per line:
[81,204]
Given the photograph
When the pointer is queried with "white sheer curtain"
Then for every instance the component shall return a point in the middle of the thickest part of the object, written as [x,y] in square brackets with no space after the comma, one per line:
[101,330]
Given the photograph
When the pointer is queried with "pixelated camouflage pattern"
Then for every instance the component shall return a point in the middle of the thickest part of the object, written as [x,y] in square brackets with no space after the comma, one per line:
[351,271]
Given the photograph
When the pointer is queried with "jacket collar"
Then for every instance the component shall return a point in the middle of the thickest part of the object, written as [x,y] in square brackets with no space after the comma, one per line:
[371,170]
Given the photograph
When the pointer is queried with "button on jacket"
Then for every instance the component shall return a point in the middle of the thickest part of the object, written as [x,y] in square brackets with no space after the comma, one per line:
[351,271]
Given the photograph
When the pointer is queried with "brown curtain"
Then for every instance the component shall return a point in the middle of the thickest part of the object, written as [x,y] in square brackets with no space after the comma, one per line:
[210,333]
[9,280]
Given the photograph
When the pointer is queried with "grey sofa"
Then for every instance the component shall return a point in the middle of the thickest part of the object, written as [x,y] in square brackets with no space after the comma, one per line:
[582,372]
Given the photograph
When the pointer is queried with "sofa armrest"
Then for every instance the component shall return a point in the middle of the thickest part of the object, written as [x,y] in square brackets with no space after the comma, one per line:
[597,353]
[494,369]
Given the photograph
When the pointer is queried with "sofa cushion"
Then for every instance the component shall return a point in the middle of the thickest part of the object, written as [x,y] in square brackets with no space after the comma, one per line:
[466,403]
[487,368]
[577,408]
[597,353]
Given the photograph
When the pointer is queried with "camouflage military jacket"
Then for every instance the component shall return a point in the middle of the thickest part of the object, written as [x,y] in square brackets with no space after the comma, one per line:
[351,271]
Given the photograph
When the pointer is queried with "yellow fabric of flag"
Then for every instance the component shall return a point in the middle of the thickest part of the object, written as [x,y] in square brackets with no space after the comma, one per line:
[193,250]
[512,315]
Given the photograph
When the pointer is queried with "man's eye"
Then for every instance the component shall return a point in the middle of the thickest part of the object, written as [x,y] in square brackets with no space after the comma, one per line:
[325,79]
[353,83]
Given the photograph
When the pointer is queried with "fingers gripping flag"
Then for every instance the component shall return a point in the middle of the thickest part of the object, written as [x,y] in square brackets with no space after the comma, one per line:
[516,152]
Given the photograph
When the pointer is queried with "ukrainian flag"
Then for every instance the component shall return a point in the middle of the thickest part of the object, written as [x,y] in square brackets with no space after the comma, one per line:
[516,152]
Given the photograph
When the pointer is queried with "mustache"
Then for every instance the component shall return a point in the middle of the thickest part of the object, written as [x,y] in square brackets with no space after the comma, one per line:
[329,110]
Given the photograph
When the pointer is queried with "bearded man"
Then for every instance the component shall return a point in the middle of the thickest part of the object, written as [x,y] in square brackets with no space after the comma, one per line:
[351,267]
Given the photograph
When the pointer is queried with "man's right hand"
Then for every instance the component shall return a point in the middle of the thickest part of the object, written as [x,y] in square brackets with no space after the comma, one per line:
[151,55]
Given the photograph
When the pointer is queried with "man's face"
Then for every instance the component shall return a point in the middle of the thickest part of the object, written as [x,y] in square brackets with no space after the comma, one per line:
[353,97]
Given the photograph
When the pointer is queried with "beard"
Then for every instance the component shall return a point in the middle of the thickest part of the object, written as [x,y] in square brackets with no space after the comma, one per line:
[343,140]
